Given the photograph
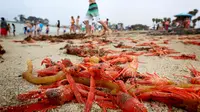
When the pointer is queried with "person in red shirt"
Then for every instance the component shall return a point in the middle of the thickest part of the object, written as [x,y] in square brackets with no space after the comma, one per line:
[4,27]
[167,25]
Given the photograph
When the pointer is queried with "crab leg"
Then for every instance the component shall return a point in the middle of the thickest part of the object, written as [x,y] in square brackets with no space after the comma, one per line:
[28,108]
[106,104]
[91,95]
[122,86]
[73,87]
[99,95]
[31,95]
[194,71]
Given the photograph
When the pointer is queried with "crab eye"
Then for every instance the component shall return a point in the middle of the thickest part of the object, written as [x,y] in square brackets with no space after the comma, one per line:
[53,93]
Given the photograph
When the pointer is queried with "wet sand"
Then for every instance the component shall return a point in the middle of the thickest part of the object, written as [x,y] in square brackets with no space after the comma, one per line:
[11,84]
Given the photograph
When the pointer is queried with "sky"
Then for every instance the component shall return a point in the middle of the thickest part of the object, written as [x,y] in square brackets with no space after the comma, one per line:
[126,11]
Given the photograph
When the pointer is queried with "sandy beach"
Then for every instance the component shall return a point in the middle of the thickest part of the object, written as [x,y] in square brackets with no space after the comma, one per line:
[14,63]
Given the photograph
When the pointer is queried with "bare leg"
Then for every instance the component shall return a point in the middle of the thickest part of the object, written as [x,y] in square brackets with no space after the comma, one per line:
[74,29]
[71,29]
[88,28]
[58,31]
[105,27]
[14,33]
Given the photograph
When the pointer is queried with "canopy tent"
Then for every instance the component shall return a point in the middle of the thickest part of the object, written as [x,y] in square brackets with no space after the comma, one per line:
[182,19]
[183,15]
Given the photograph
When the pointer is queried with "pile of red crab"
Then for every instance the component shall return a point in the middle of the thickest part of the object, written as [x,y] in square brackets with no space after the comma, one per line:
[191,40]
[59,38]
[27,40]
[111,81]
[82,51]
[52,39]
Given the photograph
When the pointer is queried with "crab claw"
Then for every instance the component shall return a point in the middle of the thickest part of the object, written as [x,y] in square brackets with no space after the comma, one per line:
[128,103]
[48,71]
[31,95]
[48,62]
[66,62]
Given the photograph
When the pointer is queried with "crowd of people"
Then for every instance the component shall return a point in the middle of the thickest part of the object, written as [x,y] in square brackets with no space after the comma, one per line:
[6,28]
[178,23]
[89,24]
[31,29]
[163,25]
[182,23]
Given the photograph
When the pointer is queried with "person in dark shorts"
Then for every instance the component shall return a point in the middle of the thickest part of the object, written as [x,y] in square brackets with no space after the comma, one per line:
[47,30]
[58,26]
[25,29]
[13,27]
[64,31]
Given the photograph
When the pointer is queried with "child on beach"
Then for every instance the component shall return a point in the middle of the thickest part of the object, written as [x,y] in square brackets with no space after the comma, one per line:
[13,25]
[8,29]
[64,31]
[83,27]
[47,30]
[25,29]
[93,13]
[72,28]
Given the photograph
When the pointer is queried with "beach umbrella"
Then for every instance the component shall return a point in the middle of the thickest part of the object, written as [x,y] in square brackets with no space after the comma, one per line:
[183,15]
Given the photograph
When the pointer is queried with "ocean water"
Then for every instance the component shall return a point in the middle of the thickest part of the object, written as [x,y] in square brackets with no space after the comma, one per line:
[20,29]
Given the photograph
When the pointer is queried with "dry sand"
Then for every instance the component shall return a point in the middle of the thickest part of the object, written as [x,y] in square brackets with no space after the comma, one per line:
[11,84]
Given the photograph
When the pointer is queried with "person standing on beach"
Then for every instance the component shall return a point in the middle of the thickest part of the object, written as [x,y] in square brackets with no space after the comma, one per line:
[4,27]
[93,13]
[38,28]
[72,28]
[29,29]
[77,24]
[34,30]
[167,25]
[13,25]
[64,30]
[83,27]
[8,29]
[25,29]
[47,30]
[58,27]
[41,27]
[107,20]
